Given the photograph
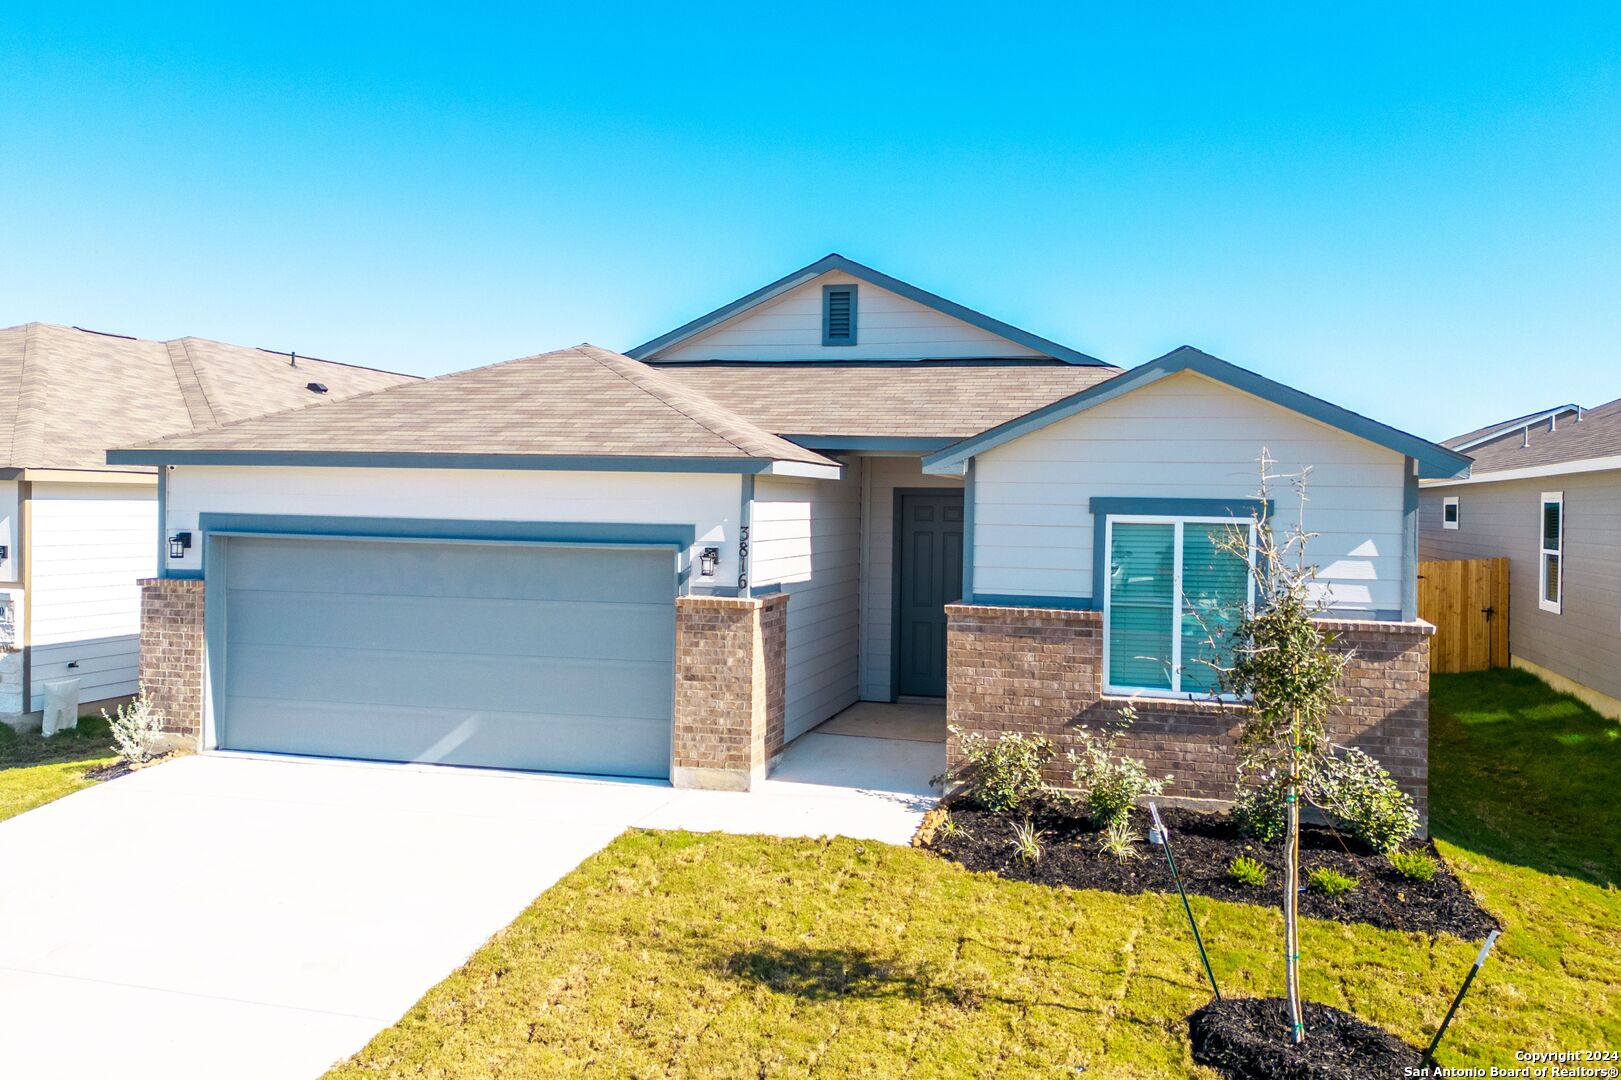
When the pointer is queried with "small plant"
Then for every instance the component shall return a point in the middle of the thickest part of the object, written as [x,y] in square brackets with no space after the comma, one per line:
[1329,882]
[1110,783]
[1363,798]
[1414,865]
[1258,807]
[1120,840]
[1027,842]
[137,730]
[1004,775]
[1246,871]
[949,829]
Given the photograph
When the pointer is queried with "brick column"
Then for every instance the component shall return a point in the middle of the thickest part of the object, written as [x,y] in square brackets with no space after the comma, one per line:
[1040,671]
[172,652]
[730,661]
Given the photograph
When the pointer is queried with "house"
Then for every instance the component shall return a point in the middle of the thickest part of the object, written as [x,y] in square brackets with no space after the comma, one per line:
[77,533]
[670,562]
[1545,492]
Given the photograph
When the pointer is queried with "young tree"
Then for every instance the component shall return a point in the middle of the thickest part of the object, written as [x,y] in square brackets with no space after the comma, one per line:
[1283,667]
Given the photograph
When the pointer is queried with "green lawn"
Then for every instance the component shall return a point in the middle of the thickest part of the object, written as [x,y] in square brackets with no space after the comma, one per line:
[35,770]
[672,954]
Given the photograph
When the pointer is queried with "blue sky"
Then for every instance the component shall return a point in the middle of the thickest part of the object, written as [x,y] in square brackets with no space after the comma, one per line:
[1413,214]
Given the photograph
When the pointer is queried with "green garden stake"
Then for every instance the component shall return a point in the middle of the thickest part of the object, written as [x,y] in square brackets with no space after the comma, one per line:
[1161,835]
[1480,960]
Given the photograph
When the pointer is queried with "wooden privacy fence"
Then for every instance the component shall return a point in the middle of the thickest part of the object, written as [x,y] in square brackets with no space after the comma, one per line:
[1467,600]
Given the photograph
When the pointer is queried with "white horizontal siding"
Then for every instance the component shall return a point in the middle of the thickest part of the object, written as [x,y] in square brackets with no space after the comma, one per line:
[711,503]
[10,533]
[805,535]
[888,327]
[90,543]
[1184,437]
[881,476]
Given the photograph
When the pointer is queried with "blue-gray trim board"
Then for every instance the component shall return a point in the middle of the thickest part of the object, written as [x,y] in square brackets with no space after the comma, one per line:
[829,263]
[968,531]
[1409,541]
[389,460]
[1102,509]
[1434,461]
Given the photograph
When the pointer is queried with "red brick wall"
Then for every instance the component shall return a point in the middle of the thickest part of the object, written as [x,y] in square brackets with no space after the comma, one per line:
[730,665]
[1040,670]
[171,665]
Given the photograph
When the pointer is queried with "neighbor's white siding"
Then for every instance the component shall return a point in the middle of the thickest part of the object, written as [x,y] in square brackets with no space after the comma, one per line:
[888,327]
[805,535]
[1184,437]
[711,502]
[90,543]
[881,477]
[10,531]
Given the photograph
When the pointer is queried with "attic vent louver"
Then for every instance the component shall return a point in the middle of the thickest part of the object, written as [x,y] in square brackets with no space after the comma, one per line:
[319,388]
[838,314]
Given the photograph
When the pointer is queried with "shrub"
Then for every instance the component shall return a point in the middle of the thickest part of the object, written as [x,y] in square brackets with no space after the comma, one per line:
[1360,795]
[137,730]
[1004,775]
[1110,784]
[1027,842]
[1120,840]
[1414,865]
[1330,883]
[1246,871]
[1258,807]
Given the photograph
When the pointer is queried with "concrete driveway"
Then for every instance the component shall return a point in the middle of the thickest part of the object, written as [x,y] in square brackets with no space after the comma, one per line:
[250,917]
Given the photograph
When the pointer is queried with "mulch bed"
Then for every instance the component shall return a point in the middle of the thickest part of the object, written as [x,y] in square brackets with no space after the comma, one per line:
[1204,845]
[1248,1039]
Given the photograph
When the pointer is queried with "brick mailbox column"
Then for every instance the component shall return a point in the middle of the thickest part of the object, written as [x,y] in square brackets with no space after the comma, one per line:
[172,652]
[1040,671]
[730,662]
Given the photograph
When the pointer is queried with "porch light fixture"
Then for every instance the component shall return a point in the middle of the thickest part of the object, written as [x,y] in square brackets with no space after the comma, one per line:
[178,545]
[707,559]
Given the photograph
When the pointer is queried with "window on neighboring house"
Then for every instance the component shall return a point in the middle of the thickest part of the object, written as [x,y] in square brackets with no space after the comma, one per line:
[1449,512]
[1176,591]
[1553,551]
[838,314]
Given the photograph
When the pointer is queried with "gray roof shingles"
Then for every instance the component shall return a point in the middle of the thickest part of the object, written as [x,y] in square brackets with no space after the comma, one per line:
[67,395]
[582,401]
[1596,435]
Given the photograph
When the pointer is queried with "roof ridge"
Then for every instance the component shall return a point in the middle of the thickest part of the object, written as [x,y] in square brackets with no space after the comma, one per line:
[198,406]
[590,350]
[300,356]
[32,381]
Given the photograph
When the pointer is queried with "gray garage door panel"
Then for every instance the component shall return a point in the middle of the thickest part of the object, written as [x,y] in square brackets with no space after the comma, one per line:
[511,656]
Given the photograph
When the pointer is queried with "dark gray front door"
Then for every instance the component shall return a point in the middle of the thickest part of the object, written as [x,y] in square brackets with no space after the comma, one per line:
[558,659]
[928,568]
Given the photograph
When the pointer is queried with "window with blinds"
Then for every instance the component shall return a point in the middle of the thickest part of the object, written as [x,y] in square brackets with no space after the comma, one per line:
[1176,591]
[1551,597]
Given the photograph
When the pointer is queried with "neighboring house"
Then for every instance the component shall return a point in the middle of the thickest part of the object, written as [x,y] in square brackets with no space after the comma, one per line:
[1545,492]
[838,488]
[77,533]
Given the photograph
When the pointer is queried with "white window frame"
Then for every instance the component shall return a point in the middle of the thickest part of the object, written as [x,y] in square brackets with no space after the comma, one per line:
[1176,590]
[1543,551]
[1450,502]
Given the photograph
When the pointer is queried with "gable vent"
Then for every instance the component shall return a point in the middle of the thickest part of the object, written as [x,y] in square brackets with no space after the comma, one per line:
[838,314]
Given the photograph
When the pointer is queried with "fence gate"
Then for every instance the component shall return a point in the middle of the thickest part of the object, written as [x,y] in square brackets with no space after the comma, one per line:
[1467,600]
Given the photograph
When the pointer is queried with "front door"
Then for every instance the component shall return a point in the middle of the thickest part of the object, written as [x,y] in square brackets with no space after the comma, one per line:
[928,573]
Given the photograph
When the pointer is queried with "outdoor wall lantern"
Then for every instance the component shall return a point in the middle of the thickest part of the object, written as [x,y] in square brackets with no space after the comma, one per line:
[707,559]
[178,544]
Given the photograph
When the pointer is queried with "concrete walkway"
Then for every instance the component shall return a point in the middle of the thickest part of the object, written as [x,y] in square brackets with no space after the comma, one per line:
[263,917]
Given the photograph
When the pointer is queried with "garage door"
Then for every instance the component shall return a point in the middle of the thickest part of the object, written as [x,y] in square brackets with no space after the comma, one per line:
[515,656]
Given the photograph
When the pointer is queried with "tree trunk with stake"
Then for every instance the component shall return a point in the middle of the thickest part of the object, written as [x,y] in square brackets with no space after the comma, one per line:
[1291,888]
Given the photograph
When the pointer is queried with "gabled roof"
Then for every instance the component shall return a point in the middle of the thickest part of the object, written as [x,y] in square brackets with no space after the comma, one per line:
[1551,443]
[67,394]
[579,408]
[848,406]
[829,263]
[1433,460]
